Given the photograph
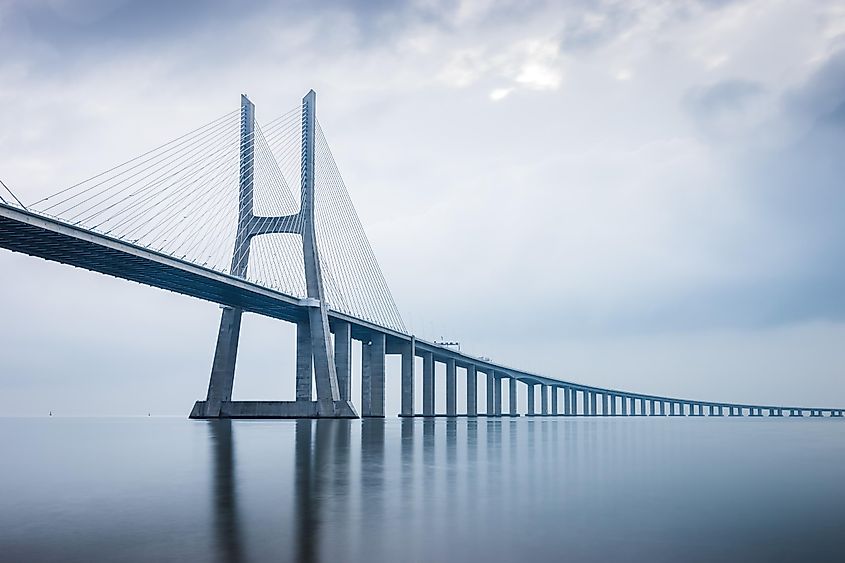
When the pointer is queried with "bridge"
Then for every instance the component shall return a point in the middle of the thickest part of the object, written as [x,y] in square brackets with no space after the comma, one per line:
[211,215]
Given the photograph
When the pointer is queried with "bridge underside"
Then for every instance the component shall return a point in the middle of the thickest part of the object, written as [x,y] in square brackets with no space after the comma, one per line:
[29,233]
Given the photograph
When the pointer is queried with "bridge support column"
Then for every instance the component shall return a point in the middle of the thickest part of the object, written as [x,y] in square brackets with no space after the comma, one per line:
[530,388]
[372,376]
[408,357]
[472,391]
[428,384]
[342,358]
[624,405]
[605,404]
[497,395]
[491,393]
[451,388]
[512,399]
[553,405]
[304,362]
[585,402]
[544,399]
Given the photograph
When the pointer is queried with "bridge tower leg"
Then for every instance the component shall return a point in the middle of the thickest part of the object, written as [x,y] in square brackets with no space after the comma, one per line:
[222,380]
[314,345]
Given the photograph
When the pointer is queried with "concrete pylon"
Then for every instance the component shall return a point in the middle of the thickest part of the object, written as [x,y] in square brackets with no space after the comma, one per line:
[314,345]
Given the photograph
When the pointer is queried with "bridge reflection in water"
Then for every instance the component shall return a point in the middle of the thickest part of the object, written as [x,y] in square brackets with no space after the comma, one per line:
[542,489]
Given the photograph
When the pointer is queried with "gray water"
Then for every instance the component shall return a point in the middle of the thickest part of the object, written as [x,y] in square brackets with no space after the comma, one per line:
[651,489]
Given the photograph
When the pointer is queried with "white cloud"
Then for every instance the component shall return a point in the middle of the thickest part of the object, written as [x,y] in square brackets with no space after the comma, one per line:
[500,94]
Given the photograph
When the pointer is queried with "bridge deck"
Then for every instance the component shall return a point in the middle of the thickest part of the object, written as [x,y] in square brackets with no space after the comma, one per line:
[49,238]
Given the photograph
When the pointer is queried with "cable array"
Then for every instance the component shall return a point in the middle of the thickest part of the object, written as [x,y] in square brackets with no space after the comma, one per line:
[356,282]
[14,200]
[183,199]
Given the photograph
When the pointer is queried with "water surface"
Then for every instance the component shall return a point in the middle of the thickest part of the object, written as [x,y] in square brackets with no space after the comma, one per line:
[543,489]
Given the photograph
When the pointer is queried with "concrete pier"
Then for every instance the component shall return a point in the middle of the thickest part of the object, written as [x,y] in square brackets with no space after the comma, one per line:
[491,393]
[512,402]
[544,399]
[343,358]
[553,397]
[408,360]
[530,393]
[428,384]
[304,362]
[451,388]
[497,395]
[472,391]
[372,376]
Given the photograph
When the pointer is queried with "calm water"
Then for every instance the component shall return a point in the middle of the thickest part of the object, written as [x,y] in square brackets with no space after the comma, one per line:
[488,490]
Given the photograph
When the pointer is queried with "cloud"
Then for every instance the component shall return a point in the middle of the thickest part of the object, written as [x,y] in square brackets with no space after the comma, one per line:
[724,97]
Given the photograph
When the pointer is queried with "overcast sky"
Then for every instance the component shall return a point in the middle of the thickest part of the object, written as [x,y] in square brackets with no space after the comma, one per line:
[638,194]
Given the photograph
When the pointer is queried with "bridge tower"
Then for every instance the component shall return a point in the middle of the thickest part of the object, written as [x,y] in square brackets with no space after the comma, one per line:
[314,345]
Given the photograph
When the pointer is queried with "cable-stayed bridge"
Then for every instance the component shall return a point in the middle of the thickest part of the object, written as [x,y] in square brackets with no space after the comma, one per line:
[213,214]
